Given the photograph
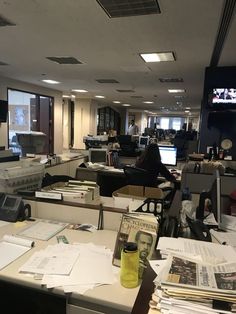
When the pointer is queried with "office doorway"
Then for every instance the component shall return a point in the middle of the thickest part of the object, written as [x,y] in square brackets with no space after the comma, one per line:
[30,112]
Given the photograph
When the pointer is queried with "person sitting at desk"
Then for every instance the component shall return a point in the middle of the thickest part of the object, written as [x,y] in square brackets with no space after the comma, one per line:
[150,160]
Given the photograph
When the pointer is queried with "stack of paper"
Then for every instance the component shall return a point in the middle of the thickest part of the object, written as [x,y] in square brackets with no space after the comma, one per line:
[74,267]
[196,277]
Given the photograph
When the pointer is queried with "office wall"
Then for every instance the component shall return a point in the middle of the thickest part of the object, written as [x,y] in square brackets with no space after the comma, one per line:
[6,83]
[85,121]
[214,127]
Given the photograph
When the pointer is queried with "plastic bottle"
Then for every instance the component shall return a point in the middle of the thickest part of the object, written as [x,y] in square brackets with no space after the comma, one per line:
[129,265]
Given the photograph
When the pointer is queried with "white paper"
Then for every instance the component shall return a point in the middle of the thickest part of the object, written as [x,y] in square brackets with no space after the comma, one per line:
[59,261]
[10,251]
[205,251]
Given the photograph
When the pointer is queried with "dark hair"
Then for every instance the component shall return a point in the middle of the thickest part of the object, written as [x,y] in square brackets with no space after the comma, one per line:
[150,154]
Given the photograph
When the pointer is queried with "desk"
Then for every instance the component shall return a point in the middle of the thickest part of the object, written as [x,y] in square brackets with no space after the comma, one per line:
[105,299]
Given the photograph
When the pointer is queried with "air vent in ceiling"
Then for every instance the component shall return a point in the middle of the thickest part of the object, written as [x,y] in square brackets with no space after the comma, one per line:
[125,90]
[64,60]
[171,80]
[3,63]
[5,22]
[136,96]
[104,81]
[123,8]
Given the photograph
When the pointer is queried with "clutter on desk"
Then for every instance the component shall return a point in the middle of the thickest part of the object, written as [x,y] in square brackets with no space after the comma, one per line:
[74,267]
[196,277]
[75,190]
[20,175]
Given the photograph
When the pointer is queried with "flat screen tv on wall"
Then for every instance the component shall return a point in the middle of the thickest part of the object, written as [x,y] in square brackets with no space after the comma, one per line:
[222,98]
[3,110]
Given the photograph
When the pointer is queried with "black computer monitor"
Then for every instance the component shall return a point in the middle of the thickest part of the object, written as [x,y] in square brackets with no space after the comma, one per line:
[168,155]
[143,141]
[210,201]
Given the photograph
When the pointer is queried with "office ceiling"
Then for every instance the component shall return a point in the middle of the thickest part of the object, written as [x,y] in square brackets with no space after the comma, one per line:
[107,49]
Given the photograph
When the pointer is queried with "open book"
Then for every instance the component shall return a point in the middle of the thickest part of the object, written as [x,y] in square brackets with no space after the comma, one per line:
[140,228]
[12,247]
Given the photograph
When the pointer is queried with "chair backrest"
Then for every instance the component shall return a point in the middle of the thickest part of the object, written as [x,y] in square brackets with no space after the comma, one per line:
[138,176]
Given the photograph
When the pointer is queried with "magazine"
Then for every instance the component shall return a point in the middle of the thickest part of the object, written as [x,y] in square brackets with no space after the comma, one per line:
[140,228]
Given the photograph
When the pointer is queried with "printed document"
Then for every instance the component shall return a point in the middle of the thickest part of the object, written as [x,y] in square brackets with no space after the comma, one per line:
[205,251]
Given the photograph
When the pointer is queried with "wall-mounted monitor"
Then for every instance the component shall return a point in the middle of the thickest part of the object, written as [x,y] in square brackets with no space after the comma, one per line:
[98,155]
[222,98]
[3,110]
[168,155]
[143,141]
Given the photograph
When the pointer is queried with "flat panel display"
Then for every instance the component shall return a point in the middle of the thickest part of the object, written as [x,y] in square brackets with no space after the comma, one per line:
[168,155]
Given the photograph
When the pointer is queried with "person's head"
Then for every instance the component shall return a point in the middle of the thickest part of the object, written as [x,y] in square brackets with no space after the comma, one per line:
[132,122]
[144,241]
[152,152]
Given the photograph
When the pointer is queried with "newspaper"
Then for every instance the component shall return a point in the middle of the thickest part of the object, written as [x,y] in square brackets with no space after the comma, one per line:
[216,281]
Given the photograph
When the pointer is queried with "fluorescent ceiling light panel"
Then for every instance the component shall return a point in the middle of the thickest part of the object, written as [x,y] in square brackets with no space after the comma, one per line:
[51,82]
[99,96]
[148,102]
[158,56]
[188,108]
[116,102]
[79,90]
[65,96]
[126,105]
[73,96]
[176,90]
[186,111]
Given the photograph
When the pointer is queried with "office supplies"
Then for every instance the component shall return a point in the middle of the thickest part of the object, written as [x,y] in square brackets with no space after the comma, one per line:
[63,239]
[12,247]
[43,230]
[12,208]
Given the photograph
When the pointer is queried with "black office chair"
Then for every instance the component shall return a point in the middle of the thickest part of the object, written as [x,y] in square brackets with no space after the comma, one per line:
[138,176]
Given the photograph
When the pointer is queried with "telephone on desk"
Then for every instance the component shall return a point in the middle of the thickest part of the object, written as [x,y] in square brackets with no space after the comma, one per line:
[12,208]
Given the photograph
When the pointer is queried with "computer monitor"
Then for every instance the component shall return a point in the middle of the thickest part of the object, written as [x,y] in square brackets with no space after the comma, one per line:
[143,141]
[98,155]
[32,142]
[168,155]
[210,201]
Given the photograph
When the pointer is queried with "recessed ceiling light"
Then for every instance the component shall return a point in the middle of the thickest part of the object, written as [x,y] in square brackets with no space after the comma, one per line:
[65,96]
[126,105]
[148,102]
[186,111]
[116,102]
[79,90]
[51,82]
[99,96]
[176,90]
[158,56]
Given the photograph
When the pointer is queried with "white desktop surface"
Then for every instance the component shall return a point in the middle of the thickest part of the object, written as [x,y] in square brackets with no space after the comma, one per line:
[114,296]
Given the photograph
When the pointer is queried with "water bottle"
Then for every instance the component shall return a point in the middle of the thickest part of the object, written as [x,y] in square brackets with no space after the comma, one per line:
[129,265]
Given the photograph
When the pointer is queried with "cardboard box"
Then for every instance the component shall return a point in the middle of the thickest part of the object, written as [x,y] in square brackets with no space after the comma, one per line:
[138,192]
